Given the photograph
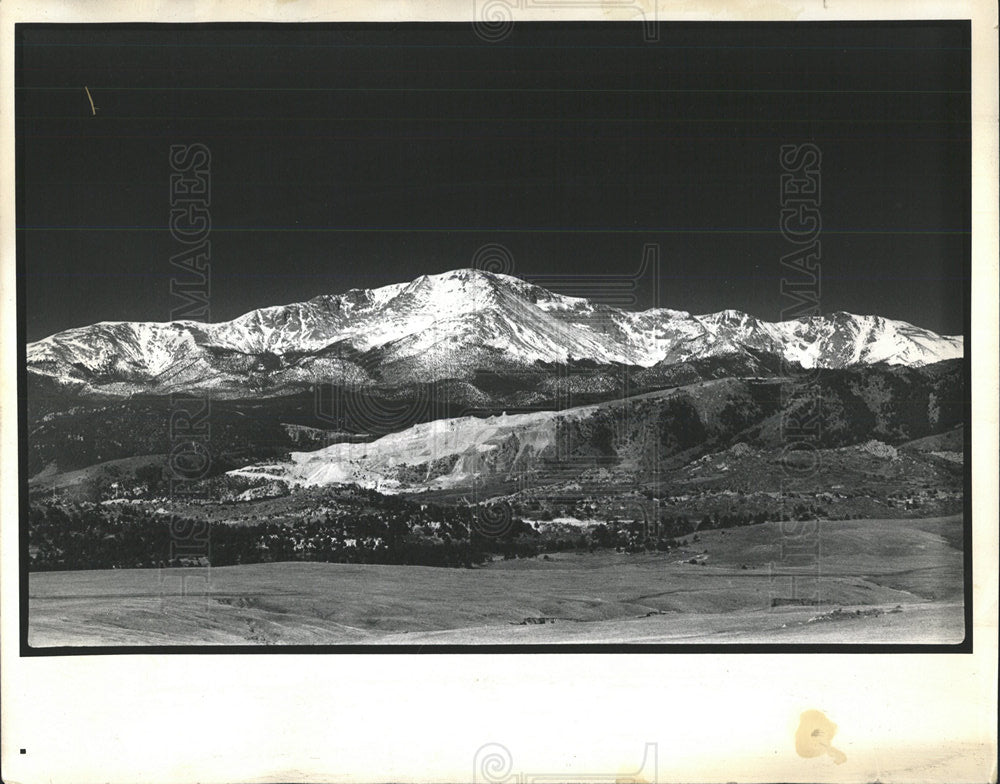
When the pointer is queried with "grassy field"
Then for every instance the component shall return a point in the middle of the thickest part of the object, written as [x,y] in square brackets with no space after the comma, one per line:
[875,581]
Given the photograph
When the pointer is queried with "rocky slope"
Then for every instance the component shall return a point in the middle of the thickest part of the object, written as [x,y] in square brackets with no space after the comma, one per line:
[637,439]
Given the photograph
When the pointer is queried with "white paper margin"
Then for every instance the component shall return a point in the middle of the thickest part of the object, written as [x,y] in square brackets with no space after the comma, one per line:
[920,718]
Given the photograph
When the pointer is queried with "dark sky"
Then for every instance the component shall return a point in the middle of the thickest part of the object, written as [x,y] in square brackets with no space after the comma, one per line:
[356,156]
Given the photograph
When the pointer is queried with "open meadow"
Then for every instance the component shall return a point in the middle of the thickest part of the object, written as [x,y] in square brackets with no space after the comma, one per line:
[875,581]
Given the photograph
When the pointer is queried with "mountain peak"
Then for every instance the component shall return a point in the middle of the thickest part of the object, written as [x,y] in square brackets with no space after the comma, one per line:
[447,325]
[729,316]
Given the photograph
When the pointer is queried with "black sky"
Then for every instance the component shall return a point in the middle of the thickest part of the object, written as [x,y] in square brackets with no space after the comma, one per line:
[355,156]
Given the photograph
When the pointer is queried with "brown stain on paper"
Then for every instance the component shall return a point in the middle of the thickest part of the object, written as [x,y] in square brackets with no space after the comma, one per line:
[630,778]
[814,736]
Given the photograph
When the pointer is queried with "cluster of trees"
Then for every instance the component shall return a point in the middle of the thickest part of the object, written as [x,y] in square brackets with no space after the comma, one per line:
[86,537]
[366,528]
[89,536]
[732,520]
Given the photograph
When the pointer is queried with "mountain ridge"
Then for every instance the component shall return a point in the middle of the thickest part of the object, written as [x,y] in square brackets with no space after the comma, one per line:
[438,327]
[639,438]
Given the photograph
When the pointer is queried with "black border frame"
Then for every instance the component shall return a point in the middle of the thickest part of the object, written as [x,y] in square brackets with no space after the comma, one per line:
[25,650]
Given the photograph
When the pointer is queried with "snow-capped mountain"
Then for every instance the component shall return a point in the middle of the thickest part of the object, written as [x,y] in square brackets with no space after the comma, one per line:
[446,326]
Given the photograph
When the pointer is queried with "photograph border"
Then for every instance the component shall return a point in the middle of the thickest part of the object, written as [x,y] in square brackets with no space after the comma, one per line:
[26,650]
[77,719]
